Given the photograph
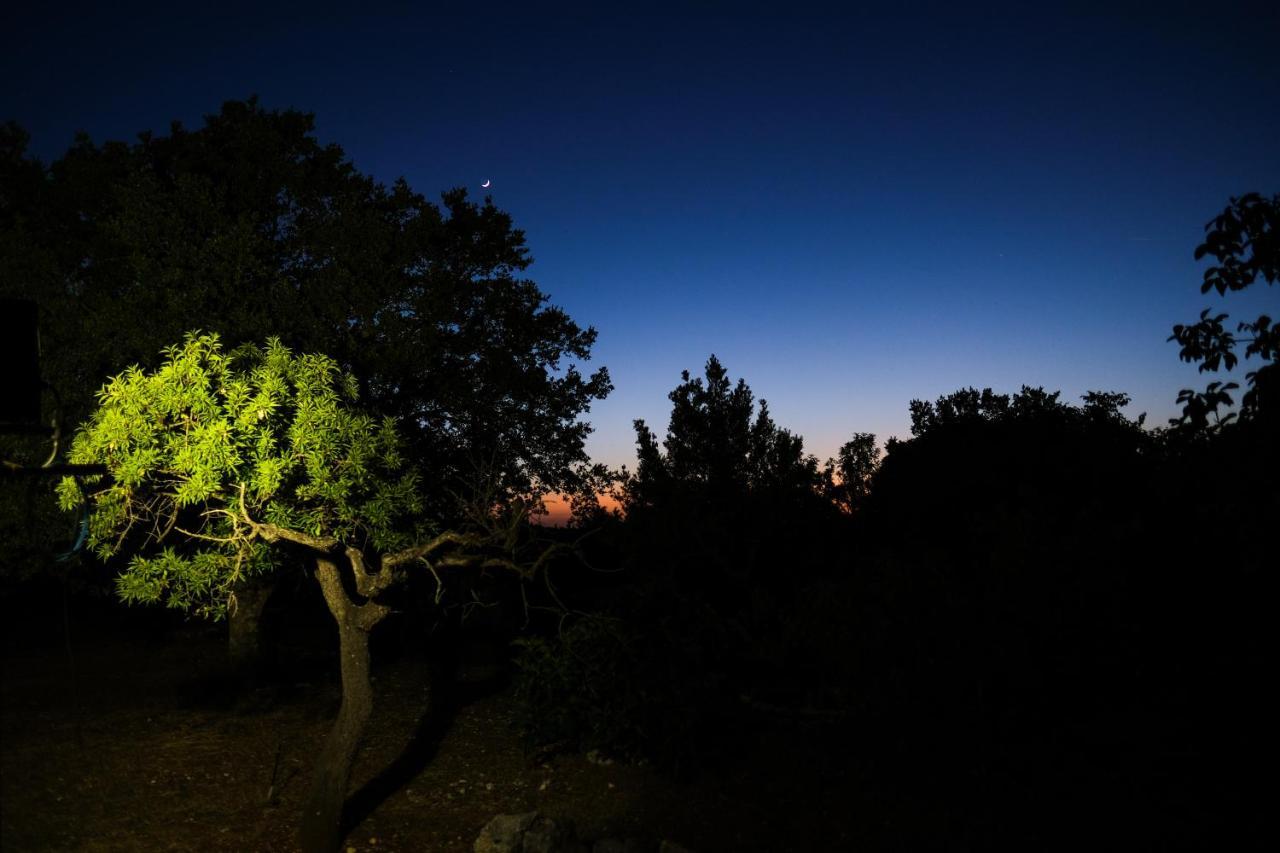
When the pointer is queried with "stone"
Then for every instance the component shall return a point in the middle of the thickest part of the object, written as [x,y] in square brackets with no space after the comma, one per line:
[621,845]
[545,835]
[528,833]
[505,833]
[672,847]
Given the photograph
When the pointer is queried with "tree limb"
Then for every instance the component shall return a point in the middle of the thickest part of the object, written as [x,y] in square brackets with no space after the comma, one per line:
[369,584]
[449,537]
[273,533]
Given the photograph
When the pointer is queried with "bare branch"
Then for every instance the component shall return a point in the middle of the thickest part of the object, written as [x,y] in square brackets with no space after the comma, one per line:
[274,533]
[439,583]
[427,548]
[224,540]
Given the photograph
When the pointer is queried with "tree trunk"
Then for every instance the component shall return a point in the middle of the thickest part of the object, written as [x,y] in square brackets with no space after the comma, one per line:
[322,819]
[246,650]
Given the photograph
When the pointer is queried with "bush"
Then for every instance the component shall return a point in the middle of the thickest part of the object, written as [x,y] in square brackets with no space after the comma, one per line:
[639,686]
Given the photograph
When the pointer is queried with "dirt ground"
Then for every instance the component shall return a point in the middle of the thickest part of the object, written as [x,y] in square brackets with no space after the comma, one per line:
[157,759]
[151,751]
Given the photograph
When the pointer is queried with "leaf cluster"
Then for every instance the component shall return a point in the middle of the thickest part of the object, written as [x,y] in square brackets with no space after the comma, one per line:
[1244,240]
[209,440]
[638,685]
[969,406]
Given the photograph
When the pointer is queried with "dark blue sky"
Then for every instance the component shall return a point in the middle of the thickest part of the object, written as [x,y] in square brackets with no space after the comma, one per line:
[852,209]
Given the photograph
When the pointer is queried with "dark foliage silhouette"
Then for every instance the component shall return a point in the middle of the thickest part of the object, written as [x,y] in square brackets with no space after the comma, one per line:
[725,521]
[1045,604]
[1244,240]
[849,474]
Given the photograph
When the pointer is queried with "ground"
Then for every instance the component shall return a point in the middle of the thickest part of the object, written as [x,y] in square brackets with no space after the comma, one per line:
[147,749]
[158,758]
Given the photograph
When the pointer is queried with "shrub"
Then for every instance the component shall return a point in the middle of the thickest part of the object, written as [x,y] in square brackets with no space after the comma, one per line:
[638,686]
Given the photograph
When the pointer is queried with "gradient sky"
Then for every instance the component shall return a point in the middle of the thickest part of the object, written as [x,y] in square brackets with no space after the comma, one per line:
[850,208]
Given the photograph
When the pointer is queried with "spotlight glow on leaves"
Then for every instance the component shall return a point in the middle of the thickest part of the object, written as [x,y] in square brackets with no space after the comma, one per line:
[210,439]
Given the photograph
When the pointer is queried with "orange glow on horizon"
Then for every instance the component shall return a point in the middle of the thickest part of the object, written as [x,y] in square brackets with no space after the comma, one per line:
[558,509]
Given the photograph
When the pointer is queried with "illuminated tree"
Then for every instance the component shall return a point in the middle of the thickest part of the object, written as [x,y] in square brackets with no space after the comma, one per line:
[249,227]
[220,462]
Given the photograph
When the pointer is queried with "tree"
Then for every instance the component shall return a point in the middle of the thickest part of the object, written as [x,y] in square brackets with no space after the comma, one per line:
[725,521]
[730,510]
[250,228]
[708,502]
[1002,541]
[1245,241]
[32,530]
[985,468]
[714,447]
[218,462]
[849,474]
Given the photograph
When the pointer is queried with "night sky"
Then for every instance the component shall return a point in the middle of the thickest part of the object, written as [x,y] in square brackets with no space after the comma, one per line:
[851,209]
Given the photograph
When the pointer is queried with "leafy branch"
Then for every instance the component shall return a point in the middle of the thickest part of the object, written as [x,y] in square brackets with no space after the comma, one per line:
[1245,241]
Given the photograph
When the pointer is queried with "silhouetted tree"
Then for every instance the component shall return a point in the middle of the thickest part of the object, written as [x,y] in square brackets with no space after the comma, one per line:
[849,474]
[725,475]
[1009,561]
[1245,241]
[718,445]
[731,520]
[726,519]
[977,455]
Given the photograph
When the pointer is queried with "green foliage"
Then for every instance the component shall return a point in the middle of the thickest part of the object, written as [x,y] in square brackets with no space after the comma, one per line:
[578,686]
[209,440]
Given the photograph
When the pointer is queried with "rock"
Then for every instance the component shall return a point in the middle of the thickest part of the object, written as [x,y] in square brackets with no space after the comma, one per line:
[672,847]
[621,845]
[551,836]
[528,833]
[595,756]
[505,833]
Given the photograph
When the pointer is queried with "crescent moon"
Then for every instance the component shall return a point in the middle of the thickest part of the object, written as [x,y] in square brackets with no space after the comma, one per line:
[485,185]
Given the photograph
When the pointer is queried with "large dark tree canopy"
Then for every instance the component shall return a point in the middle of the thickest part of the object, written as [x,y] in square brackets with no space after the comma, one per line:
[479,364]
[249,227]
[982,467]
